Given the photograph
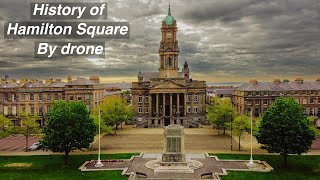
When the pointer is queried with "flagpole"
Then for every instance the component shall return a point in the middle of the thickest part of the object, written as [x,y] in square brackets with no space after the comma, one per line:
[251,163]
[99,164]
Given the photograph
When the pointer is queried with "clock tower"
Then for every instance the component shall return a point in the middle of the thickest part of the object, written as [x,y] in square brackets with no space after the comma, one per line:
[169,49]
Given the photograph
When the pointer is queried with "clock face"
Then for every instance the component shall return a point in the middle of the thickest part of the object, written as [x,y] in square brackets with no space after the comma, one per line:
[169,35]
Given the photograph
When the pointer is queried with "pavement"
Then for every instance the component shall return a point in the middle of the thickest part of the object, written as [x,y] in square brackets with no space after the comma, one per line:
[16,143]
[136,140]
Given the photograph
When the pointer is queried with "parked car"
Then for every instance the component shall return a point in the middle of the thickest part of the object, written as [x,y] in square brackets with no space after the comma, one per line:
[35,146]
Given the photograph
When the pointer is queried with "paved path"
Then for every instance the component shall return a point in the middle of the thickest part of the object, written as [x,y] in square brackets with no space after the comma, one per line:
[16,143]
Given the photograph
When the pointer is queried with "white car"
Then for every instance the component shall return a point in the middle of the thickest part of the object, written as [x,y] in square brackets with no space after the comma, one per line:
[35,146]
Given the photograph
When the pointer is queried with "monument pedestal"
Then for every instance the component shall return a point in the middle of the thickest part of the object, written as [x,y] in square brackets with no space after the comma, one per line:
[173,159]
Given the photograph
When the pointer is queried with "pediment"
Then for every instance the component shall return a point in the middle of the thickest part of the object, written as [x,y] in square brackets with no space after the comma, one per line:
[167,85]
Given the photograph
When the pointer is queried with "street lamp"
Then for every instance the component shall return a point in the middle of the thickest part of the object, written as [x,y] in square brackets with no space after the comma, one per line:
[251,163]
[231,129]
[99,164]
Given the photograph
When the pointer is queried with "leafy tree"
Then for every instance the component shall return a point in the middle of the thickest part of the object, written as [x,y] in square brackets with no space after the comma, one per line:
[240,125]
[284,129]
[69,127]
[115,111]
[220,112]
[103,126]
[285,80]
[312,122]
[28,126]
[6,126]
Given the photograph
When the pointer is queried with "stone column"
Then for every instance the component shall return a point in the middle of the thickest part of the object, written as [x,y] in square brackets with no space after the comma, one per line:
[185,104]
[178,103]
[164,105]
[150,104]
[157,104]
[192,96]
[171,104]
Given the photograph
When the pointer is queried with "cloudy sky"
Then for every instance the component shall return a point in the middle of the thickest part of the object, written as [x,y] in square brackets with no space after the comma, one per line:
[222,40]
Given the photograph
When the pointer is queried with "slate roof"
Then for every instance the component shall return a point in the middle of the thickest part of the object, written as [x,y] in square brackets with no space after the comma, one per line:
[123,85]
[224,91]
[82,81]
[283,86]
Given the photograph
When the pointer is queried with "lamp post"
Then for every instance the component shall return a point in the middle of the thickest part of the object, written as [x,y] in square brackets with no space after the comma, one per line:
[251,163]
[99,164]
[231,130]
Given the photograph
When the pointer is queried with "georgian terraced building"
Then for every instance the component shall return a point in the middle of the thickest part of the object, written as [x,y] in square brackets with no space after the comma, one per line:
[259,95]
[35,97]
[168,96]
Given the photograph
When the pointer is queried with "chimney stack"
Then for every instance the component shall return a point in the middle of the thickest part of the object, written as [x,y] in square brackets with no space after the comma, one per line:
[253,81]
[299,80]
[95,79]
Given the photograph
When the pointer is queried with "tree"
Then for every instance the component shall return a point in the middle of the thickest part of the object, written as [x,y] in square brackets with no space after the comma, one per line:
[221,112]
[312,122]
[6,126]
[285,129]
[28,127]
[69,127]
[115,111]
[240,125]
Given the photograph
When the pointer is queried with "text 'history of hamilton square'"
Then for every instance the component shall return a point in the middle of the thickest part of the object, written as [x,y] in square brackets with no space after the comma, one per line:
[75,29]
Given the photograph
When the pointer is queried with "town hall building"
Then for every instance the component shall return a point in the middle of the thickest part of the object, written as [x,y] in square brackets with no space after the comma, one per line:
[168,96]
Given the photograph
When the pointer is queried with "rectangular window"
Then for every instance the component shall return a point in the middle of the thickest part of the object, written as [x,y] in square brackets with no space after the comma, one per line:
[63,97]
[48,108]
[195,109]
[196,98]
[140,99]
[14,110]
[23,109]
[249,102]
[249,93]
[140,109]
[189,98]
[5,97]
[40,111]
[304,101]
[88,107]
[48,97]
[31,110]
[257,102]
[147,99]
[14,97]
[79,98]
[56,97]
[296,92]
[87,96]
[22,97]
[265,102]
[297,100]
[318,100]
[188,109]
[146,110]
[31,97]
[40,97]
[5,110]
[257,93]
[71,97]
[311,100]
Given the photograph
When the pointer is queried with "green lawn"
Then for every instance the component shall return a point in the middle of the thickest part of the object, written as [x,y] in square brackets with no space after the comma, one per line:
[51,167]
[299,167]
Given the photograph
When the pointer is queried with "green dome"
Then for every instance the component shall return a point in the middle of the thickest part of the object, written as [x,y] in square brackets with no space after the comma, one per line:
[169,20]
